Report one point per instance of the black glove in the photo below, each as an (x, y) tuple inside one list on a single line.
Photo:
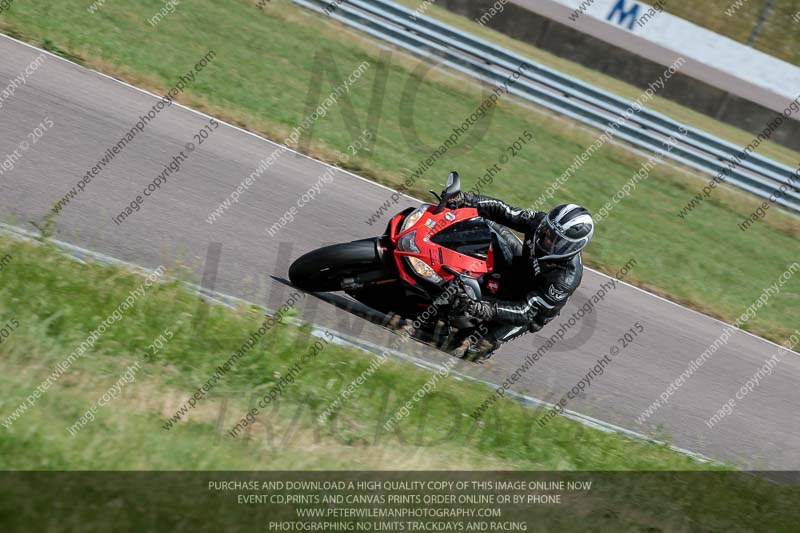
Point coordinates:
[(483, 310), (459, 200)]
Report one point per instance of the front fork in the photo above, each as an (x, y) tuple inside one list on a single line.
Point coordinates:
[(385, 274), (360, 281)]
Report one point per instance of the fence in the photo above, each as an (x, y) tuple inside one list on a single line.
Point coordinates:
[(645, 129)]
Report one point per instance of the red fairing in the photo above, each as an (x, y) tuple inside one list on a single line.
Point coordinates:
[(394, 226), (432, 254)]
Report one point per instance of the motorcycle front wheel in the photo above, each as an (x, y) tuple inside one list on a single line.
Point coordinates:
[(323, 269)]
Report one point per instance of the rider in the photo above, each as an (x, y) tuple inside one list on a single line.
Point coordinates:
[(537, 275)]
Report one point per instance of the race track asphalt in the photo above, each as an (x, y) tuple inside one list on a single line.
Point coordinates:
[(90, 113)]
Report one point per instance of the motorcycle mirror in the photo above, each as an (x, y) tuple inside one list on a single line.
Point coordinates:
[(453, 184), (451, 270)]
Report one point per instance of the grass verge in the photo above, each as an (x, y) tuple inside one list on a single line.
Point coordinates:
[(55, 301), (264, 71)]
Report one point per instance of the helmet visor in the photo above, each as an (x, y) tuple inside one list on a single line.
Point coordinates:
[(550, 243)]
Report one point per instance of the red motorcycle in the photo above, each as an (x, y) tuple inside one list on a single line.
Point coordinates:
[(415, 269)]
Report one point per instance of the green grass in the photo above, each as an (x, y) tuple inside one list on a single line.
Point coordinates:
[(778, 37), (260, 79), (56, 301)]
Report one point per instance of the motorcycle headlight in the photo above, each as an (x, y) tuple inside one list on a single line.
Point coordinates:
[(413, 218), (407, 243), (423, 269)]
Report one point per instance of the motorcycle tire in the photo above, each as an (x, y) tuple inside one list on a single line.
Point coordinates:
[(323, 270)]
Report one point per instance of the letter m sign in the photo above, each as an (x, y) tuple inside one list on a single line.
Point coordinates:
[(630, 14)]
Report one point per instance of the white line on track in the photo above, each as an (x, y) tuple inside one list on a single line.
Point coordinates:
[(356, 176), (79, 253), (225, 298)]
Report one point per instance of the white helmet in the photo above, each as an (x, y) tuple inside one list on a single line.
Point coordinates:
[(565, 231)]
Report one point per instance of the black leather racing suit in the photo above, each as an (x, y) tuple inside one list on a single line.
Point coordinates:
[(529, 293)]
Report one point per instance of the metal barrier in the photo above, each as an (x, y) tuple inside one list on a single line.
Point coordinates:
[(644, 128)]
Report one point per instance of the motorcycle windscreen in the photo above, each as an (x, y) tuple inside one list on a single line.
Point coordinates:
[(470, 237)]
